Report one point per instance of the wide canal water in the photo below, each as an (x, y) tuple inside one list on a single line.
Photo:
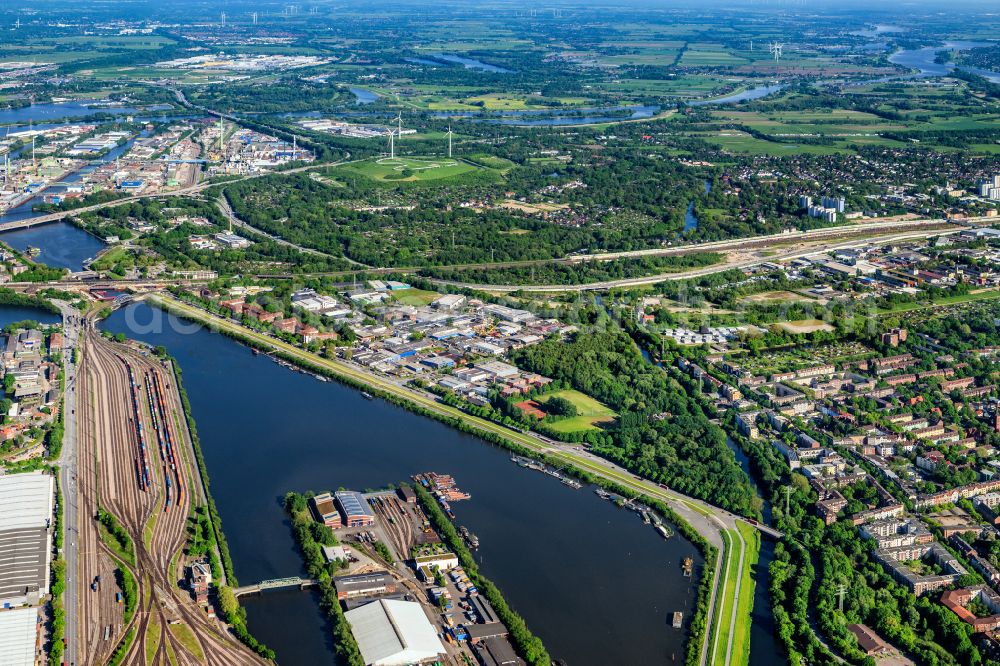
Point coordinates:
[(591, 580), (62, 245), (83, 108)]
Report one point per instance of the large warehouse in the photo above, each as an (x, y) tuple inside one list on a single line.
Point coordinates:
[(27, 501), (394, 633), (355, 509), (18, 636)]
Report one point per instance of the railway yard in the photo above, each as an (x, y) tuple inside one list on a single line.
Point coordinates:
[(137, 464)]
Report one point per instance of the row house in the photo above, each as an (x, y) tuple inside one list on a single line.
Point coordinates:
[(951, 385)]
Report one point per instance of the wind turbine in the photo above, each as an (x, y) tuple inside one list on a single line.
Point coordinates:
[(392, 145), (254, 16), (449, 140), (223, 19), (775, 49)]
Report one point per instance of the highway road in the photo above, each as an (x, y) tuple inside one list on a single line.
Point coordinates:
[(68, 482), (865, 236), (708, 520)]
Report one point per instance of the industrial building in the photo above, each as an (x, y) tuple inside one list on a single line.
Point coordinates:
[(27, 501), (326, 510), (496, 652), (364, 585), (394, 633), (18, 636), (354, 509)]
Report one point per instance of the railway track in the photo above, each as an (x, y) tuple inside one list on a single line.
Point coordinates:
[(140, 468)]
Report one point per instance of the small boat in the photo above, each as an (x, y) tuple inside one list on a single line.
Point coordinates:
[(678, 619), (688, 567), (469, 537), (367, 395)]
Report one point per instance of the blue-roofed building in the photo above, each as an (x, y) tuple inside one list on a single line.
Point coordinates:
[(131, 185), (354, 508)]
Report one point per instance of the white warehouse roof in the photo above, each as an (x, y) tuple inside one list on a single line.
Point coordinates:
[(17, 636), (393, 633), (26, 500)]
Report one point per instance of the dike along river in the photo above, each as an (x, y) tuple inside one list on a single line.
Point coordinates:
[(596, 584)]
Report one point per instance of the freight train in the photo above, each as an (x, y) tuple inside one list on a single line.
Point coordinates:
[(141, 454), (165, 435)]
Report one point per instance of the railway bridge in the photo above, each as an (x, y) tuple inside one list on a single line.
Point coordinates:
[(275, 584)]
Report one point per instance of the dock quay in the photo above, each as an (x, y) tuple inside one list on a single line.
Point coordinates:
[(528, 463)]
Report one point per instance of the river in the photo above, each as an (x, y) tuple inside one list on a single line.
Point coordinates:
[(62, 244), (690, 220), (557, 117), (924, 60), (764, 647), (591, 580), (364, 96), (52, 111), (742, 96), (13, 313), (472, 63)]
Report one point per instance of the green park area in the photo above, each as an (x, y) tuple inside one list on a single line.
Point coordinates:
[(410, 169), (414, 296), (589, 412)]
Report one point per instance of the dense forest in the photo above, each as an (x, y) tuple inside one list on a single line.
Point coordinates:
[(661, 433), (578, 273)]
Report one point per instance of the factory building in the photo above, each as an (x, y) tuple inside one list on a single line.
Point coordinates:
[(326, 510), (18, 636), (27, 501), (354, 509), (364, 585), (394, 633)]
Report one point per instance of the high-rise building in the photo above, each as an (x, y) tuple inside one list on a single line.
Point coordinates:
[(839, 204)]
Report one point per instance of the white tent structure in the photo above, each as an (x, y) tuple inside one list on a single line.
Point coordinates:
[(393, 633)]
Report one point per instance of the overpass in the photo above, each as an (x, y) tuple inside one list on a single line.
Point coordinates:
[(275, 584), (766, 530)]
